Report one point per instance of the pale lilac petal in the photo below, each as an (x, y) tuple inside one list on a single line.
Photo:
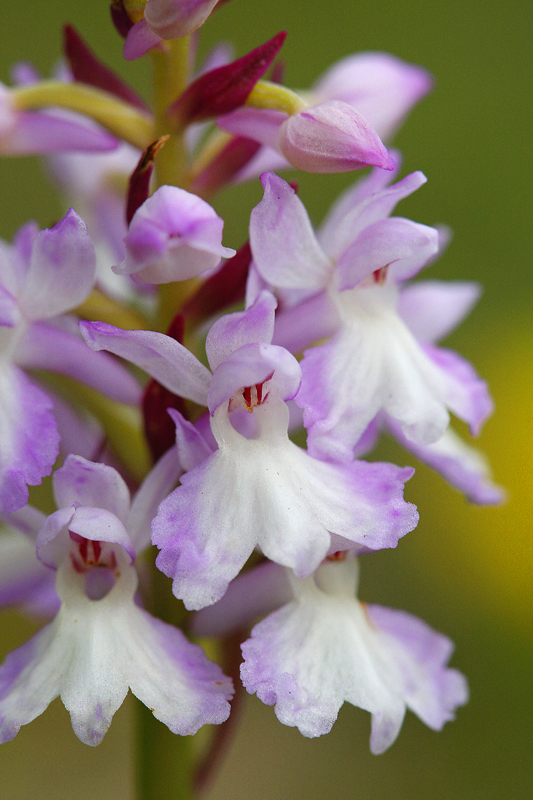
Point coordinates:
[(23, 579), (49, 347), (251, 595), (41, 132), (283, 244), (85, 483), (155, 487), (26, 520), (174, 235), (376, 202), (368, 439), (12, 270), (53, 539), (232, 331), (325, 648), (203, 426), (62, 269), (9, 310), (311, 656), (202, 550), (191, 446), (183, 688), (260, 124), (430, 688), (79, 432), (139, 40), (331, 137), (433, 309), (43, 603), (376, 180), (254, 285), (173, 19), (29, 442), (23, 242), (253, 364), (24, 73), (461, 465), (92, 523), (99, 525), (467, 395), (381, 87), (25, 690), (299, 326), (403, 246), (160, 356)]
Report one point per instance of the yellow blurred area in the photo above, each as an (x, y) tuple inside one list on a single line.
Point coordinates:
[(491, 548), (504, 548)]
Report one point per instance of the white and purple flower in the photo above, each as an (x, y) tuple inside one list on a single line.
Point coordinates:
[(257, 489), (346, 285), (325, 648), (101, 642)]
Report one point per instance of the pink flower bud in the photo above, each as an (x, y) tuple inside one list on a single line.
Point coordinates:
[(165, 19), (172, 19), (332, 137)]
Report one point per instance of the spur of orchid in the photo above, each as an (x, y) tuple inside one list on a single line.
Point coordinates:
[(201, 412)]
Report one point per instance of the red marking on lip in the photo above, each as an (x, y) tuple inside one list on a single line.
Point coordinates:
[(380, 275)]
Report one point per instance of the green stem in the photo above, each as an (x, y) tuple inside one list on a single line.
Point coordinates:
[(171, 75), (163, 760), (277, 97), (171, 69)]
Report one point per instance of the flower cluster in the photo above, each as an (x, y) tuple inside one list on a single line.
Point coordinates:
[(235, 353)]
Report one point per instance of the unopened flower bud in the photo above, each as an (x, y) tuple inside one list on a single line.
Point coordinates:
[(173, 236), (332, 137), (164, 19)]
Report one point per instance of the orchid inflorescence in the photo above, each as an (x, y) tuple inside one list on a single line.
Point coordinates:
[(234, 354)]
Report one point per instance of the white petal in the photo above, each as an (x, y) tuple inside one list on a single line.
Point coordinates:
[(94, 651)]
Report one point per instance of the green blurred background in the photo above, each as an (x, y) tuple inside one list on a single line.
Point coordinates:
[(466, 570)]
